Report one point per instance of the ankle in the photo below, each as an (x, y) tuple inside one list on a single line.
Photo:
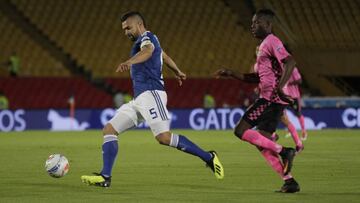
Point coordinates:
[(290, 180), (283, 151)]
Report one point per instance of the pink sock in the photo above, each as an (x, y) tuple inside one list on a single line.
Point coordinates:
[(294, 134), (302, 124), (255, 138), (275, 163)]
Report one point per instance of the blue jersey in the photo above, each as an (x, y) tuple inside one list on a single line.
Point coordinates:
[(147, 75)]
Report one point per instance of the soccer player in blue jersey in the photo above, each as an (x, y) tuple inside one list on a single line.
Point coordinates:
[(149, 102)]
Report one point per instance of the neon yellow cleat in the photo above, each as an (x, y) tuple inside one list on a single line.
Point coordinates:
[(96, 180), (216, 166)]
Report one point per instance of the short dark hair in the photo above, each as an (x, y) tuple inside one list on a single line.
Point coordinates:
[(131, 14), (268, 13)]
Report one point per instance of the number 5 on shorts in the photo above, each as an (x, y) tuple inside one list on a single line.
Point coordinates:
[(153, 113)]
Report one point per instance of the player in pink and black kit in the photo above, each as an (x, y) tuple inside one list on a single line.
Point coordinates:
[(265, 113), (293, 90), (293, 93)]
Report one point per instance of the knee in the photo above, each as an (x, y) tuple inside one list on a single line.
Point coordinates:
[(238, 132), (241, 127), (164, 138), (109, 130)]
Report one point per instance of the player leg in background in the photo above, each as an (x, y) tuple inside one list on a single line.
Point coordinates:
[(302, 124), (182, 143), (291, 128), (263, 110), (296, 107)]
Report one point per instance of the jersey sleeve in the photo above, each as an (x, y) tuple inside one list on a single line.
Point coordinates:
[(145, 40), (277, 49)]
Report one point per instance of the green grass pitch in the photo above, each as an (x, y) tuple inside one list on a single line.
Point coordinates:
[(328, 170)]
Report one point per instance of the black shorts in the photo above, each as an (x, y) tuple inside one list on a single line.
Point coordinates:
[(265, 115), (296, 107)]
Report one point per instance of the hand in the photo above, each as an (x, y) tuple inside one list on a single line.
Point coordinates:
[(284, 97), (180, 76), (223, 73), (124, 66)]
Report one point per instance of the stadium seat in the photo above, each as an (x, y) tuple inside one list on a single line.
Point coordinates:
[(35, 61), (91, 32)]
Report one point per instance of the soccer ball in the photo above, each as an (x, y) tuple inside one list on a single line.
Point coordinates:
[(57, 165)]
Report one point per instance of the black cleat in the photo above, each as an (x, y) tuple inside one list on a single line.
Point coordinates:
[(215, 165), (287, 155), (290, 186)]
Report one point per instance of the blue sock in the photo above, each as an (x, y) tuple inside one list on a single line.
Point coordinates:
[(110, 150), (182, 143)]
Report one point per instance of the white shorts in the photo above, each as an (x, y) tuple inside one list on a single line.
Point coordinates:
[(149, 106)]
